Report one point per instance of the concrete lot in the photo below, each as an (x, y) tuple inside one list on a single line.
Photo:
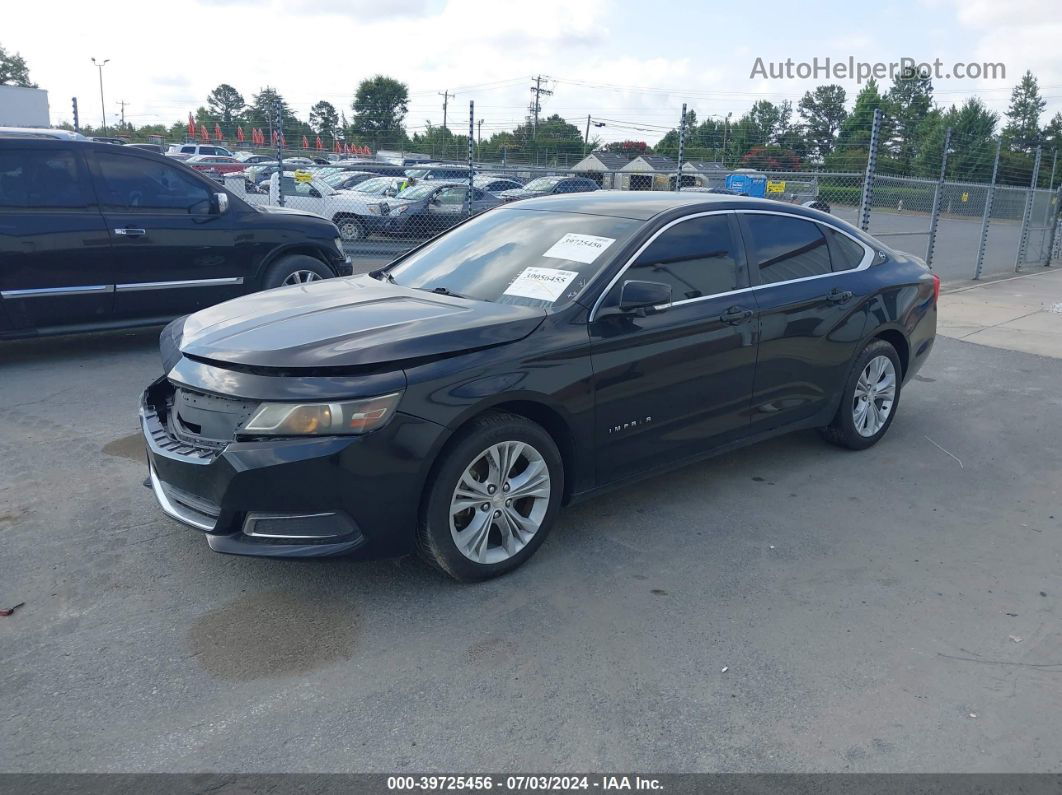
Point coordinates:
[(1021, 313), (891, 610)]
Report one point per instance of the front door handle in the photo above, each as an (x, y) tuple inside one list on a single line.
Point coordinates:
[(838, 296), (735, 315), (130, 232)]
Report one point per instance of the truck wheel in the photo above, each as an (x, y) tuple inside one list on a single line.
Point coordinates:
[(350, 228), (295, 269)]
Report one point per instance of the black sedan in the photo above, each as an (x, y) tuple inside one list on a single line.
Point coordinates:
[(549, 186), (453, 401)]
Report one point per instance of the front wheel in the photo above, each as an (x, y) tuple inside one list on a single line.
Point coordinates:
[(493, 498), (350, 228), (871, 396), (295, 269)]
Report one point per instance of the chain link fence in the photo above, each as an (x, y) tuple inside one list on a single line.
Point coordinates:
[(388, 201)]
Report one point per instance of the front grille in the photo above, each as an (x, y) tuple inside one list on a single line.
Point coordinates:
[(164, 441), (204, 420)]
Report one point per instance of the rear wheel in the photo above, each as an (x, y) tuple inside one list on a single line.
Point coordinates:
[(295, 269), (871, 396), (493, 498)]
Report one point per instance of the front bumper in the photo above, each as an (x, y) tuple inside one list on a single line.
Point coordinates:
[(312, 497)]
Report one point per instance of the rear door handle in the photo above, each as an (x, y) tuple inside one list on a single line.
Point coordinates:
[(130, 232), (838, 296), (735, 315)]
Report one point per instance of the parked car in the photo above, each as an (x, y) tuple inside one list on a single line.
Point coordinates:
[(250, 158), (41, 132), (134, 238), (156, 148), (546, 186), (198, 149), (430, 207), (215, 166), (374, 167), (349, 209), (451, 402), (496, 183), (344, 180), (433, 171)]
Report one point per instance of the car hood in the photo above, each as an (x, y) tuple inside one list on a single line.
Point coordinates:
[(349, 323)]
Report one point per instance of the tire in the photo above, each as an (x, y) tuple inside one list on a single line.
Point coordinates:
[(295, 269), (502, 545), (350, 228), (855, 425)]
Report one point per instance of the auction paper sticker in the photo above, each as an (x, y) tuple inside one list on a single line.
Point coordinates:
[(544, 284), (579, 248)]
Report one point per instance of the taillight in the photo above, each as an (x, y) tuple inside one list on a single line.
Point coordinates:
[(936, 288)]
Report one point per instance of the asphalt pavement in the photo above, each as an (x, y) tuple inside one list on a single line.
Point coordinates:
[(788, 607)]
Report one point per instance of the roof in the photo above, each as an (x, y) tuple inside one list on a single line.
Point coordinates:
[(639, 205), (703, 165), (613, 161), (655, 162)]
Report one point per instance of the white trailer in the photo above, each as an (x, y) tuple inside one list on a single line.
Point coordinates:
[(23, 107)]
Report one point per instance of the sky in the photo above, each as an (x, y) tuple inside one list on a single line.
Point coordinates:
[(628, 64)]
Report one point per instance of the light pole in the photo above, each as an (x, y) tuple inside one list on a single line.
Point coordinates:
[(103, 109)]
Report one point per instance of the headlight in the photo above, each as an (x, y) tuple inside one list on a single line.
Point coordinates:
[(339, 245), (402, 210), (321, 419)]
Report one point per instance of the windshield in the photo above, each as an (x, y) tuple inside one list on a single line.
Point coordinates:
[(543, 183), (417, 192), (374, 186), (417, 173), (513, 256)]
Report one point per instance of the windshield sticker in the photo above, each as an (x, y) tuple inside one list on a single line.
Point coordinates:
[(579, 248), (543, 284)]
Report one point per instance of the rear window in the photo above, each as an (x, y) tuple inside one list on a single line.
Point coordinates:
[(40, 178), (787, 248), (846, 254)]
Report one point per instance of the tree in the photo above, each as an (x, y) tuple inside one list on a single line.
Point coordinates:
[(910, 100), (262, 111), (1023, 116), (13, 70), (1052, 134), (771, 158), (823, 113), (631, 149), (763, 120), (380, 107), (324, 118), (554, 137), (973, 146), (225, 103)]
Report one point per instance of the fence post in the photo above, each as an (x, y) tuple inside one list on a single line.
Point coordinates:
[(938, 196), (279, 125), (1055, 219), (868, 177), (471, 130), (986, 219), (681, 148), (1027, 216)]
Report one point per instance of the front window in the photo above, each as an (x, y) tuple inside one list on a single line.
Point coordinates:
[(417, 192), (418, 173), (514, 256), (375, 187)]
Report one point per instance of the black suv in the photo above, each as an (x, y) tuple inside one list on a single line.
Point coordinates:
[(95, 236)]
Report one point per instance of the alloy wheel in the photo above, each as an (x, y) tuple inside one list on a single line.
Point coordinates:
[(301, 277), (875, 393), (499, 502)]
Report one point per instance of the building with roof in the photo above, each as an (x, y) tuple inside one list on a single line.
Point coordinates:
[(601, 167), (647, 172)]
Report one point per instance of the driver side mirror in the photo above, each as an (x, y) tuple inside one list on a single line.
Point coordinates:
[(644, 297), (220, 203)]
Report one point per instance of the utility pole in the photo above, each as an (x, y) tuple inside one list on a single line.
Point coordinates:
[(586, 137), (479, 132), (446, 101), (77, 127), (123, 103), (726, 127), (537, 92), (103, 109)]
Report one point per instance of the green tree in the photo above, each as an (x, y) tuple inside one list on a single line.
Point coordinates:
[(556, 141), (973, 146), (1052, 134), (763, 120), (261, 112), (324, 118), (13, 70), (823, 113), (910, 101), (226, 104), (1023, 116), (380, 105)]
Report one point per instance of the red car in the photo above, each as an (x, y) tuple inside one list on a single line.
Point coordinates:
[(215, 165)]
